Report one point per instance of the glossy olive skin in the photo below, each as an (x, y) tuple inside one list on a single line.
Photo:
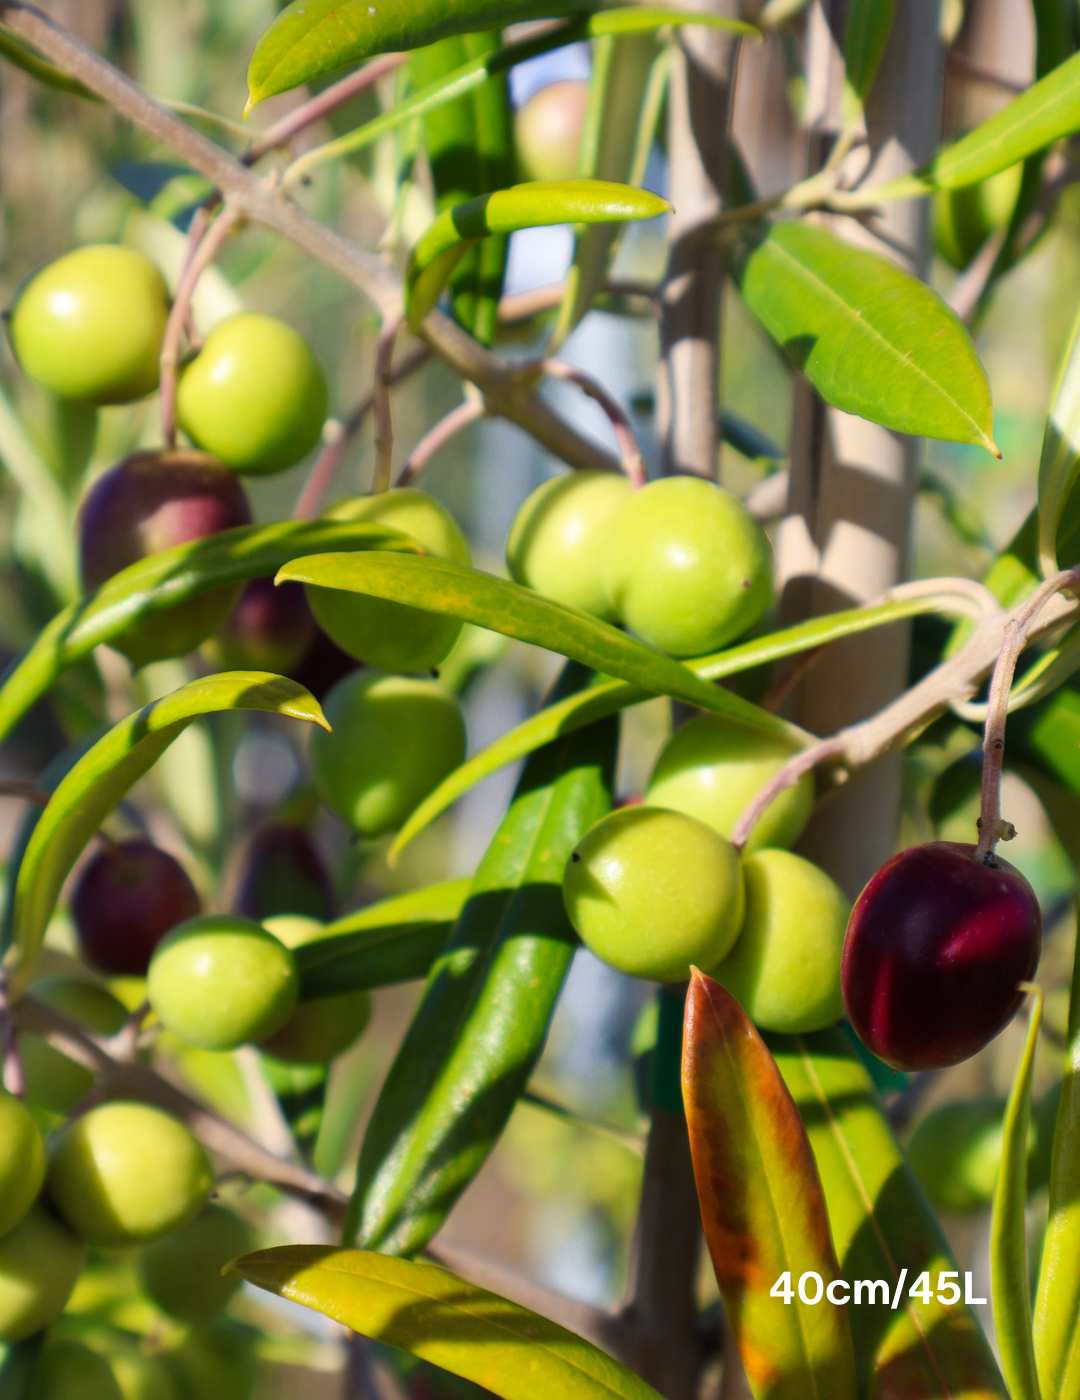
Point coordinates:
[(254, 396), (125, 1172), (126, 900), (712, 768), (935, 949), (547, 130), (784, 969), (89, 326), (40, 1260), (393, 739), (270, 629), (22, 1161), (687, 567), (318, 1030), (68, 1370), (393, 636), (148, 502), (219, 981), (654, 892), (52, 1080), (559, 535), (283, 873), (956, 1153), (182, 1270)]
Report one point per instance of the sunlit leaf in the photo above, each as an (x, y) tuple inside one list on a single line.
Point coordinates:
[(1008, 1235), (421, 1309), (537, 204), (762, 1205), (1059, 465), (872, 339), (439, 586), (104, 774)]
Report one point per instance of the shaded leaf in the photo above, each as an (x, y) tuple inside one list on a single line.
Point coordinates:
[(163, 580), (869, 23), (421, 1309), (607, 697), (762, 1204), (872, 339), (395, 940), (537, 204), (1008, 1235), (97, 782), (883, 1228), (451, 589)]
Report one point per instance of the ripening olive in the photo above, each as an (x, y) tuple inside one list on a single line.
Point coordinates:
[(547, 130), (393, 740), (687, 567), (126, 900), (126, 1172), (654, 892), (557, 541), (219, 981), (784, 969), (39, 1262), (254, 395), (90, 325), (393, 636)]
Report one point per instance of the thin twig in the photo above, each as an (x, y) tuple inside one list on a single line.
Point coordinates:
[(11, 1070), (384, 418), (436, 438), (966, 292), (24, 792), (629, 451), (803, 762), (202, 249)]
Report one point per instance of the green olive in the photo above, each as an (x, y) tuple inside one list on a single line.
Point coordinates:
[(70, 1371), (214, 1363), (254, 395), (654, 892), (712, 768), (956, 1153), (90, 325), (687, 567), (393, 740), (39, 1262), (182, 1270), (559, 535), (784, 969), (393, 636), (52, 1080), (317, 1030), (963, 219), (22, 1161), (126, 1172), (218, 981)]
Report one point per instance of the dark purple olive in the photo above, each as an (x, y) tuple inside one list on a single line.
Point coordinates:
[(270, 629), (936, 948), (148, 502), (126, 900), (283, 873)]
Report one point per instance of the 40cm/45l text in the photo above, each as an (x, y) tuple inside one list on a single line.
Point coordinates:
[(813, 1289)]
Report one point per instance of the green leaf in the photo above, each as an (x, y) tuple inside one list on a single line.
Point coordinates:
[(536, 204), (872, 339), (1046, 112), (395, 940), (480, 1027), (104, 774), (1050, 735), (24, 57), (869, 24), (608, 697), (1059, 465), (439, 586), (1057, 1301), (429, 1313), (1008, 1235), (164, 579), (882, 1224), (762, 1204)]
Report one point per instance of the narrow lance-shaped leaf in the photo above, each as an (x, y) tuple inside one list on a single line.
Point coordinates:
[(480, 1027), (439, 586), (762, 1206), (1008, 1234), (104, 774), (163, 580), (872, 339), (534, 205), (869, 23), (1059, 464), (15, 51), (1057, 1300), (423, 1310), (886, 1236), (607, 697), (395, 940)]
